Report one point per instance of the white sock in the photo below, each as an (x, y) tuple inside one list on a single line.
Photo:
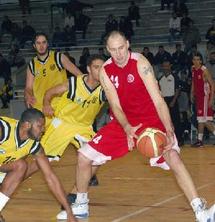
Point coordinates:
[(3, 200), (200, 136), (82, 197), (197, 204)]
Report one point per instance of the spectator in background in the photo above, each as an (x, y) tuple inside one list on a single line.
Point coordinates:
[(102, 53), (111, 24), (5, 70), (185, 20), (6, 25), (59, 37), (74, 6), (70, 36), (133, 13), (180, 8), (179, 59), (69, 20), (165, 2), (169, 86), (6, 93), (210, 65), (126, 27), (28, 33), (210, 36), (184, 102), (149, 55), (81, 23), (16, 33), (83, 60), (191, 37), (162, 55), (174, 27), (25, 6), (15, 57)]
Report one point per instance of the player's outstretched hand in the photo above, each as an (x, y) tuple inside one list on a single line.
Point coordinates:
[(71, 218), (131, 135)]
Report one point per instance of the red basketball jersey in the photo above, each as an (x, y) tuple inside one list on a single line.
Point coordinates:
[(133, 95), (201, 87)]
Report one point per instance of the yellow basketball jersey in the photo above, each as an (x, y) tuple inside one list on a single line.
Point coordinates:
[(11, 147), (47, 74), (80, 104)]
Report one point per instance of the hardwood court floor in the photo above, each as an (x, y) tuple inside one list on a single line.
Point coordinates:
[(129, 190)]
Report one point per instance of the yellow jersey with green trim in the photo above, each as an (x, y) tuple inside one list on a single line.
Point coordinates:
[(47, 74), (11, 147), (80, 104)]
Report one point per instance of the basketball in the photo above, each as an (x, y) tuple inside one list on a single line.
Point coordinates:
[(151, 142)]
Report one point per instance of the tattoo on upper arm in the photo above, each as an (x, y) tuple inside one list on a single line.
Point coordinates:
[(147, 70)]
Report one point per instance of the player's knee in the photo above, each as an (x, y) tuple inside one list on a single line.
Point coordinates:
[(21, 168), (83, 161), (172, 157)]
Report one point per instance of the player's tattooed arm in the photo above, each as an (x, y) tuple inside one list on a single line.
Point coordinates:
[(103, 80)]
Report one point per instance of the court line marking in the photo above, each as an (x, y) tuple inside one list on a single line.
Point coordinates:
[(157, 204)]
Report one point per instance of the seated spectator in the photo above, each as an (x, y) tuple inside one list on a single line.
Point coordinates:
[(191, 37), (174, 27), (180, 8), (81, 22), (6, 25), (126, 27), (6, 93), (165, 2), (133, 13), (5, 70), (185, 20), (15, 57), (162, 55), (210, 36), (102, 53), (83, 59), (149, 55), (28, 33), (179, 59), (25, 6)]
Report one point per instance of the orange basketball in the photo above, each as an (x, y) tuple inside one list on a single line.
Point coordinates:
[(151, 142)]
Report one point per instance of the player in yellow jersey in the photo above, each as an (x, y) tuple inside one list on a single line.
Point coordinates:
[(45, 70), (81, 100), (17, 140)]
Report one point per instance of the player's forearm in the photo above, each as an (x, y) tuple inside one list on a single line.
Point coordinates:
[(164, 115), (57, 189), (120, 116)]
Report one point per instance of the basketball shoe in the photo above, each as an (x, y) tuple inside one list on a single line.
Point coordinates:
[(80, 211), (203, 214)]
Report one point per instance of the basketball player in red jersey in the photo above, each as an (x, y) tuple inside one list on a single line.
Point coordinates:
[(136, 103), (202, 92)]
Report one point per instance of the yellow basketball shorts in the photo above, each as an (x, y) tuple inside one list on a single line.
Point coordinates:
[(60, 134)]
